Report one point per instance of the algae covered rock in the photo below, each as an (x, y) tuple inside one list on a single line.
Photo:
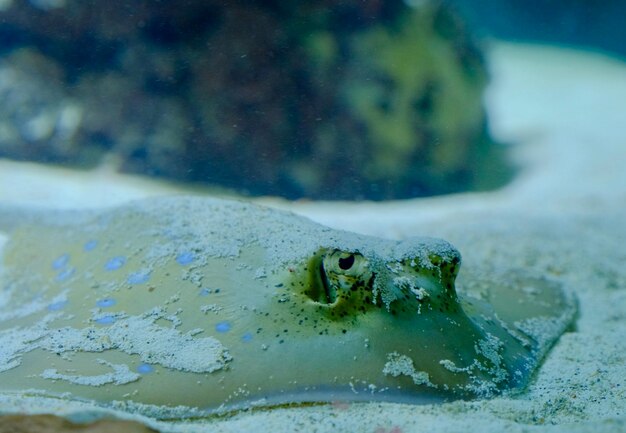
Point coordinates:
[(36, 116), (318, 99), (56, 424), (411, 118)]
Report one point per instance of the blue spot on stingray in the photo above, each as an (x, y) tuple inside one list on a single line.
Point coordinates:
[(185, 258), (222, 327), (56, 306), (106, 302), (115, 263), (90, 245), (138, 277), (246, 337), (105, 320), (60, 261), (205, 292), (65, 274), (145, 368)]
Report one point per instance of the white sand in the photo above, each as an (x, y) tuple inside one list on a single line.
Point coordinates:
[(564, 217)]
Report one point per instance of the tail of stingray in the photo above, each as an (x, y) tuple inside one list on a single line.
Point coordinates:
[(535, 310), (15, 216), (11, 217)]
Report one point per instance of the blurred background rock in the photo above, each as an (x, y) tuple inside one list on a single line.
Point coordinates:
[(358, 99)]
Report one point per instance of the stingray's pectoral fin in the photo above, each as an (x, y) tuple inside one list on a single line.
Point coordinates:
[(537, 309), (525, 313)]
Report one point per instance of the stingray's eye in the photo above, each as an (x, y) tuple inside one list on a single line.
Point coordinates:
[(346, 263), (342, 274)]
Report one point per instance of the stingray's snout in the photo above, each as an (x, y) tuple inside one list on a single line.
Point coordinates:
[(416, 282)]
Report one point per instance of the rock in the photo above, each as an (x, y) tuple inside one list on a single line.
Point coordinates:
[(356, 100), (51, 423)]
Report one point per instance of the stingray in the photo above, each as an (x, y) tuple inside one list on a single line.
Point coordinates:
[(184, 307)]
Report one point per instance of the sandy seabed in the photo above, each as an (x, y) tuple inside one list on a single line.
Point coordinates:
[(564, 216)]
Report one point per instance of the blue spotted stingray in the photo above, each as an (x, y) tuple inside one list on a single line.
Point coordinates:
[(188, 306)]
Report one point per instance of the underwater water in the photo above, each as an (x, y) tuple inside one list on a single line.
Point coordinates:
[(470, 194)]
